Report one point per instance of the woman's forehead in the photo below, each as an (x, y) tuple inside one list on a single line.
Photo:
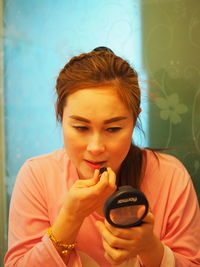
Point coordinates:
[(90, 101)]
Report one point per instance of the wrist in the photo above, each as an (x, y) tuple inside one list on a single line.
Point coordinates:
[(153, 255), (66, 226), (71, 215), (73, 209), (64, 248)]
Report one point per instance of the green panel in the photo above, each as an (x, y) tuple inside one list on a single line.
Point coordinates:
[(171, 50)]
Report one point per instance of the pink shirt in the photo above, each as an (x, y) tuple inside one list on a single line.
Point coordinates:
[(42, 185)]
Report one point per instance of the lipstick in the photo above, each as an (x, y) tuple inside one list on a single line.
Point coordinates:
[(94, 165), (103, 169)]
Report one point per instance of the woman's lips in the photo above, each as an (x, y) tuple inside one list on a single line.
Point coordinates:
[(95, 165)]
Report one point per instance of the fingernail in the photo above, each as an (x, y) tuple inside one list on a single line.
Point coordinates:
[(97, 224), (96, 171)]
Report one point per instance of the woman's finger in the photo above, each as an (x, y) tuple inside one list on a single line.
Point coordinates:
[(116, 255), (112, 177), (109, 259), (104, 186), (149, 218), (112, 240), (119, 232)]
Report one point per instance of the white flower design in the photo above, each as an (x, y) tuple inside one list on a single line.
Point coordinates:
[(170, 108)]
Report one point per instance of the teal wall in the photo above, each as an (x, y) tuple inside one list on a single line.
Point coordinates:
[(40, 36)]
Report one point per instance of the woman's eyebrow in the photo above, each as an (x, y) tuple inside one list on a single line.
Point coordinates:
[(114, 119), (78, 118)]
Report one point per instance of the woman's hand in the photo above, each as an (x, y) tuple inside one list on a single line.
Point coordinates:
[(87, 196), (123, 244), (84, 197)]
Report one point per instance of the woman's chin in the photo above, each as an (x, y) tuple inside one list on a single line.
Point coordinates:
[(86, 173)]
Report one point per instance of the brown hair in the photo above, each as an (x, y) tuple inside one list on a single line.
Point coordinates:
[(103, 67)]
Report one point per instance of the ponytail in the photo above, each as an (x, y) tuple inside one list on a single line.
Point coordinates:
[(131, 169)]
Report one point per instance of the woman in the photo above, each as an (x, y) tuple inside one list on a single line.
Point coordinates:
[(56, 216)]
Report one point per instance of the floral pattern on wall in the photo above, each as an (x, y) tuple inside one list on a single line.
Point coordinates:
[(171, 108)]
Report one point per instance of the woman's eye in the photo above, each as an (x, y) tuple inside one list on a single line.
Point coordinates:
[(81, 128), (113, 129)]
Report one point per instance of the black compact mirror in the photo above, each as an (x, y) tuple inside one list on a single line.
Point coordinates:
[(126, 207)]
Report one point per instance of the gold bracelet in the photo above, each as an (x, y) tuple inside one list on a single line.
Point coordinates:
[(65, 247)]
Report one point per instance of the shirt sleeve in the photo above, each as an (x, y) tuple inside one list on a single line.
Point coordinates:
[(167, 260), (182, 230), (28, 243)]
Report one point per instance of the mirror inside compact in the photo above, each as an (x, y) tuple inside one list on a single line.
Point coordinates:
[(126, 207), (126, 215)]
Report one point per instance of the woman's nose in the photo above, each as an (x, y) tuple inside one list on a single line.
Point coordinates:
[(95, 145)]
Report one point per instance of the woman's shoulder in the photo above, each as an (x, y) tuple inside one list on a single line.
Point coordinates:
[(164, 176), (46, 163), (43, 170), (162, 160), (56, 156), (53, 155), (164, 168)]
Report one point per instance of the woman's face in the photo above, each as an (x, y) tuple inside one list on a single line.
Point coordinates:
[(97, 129)]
